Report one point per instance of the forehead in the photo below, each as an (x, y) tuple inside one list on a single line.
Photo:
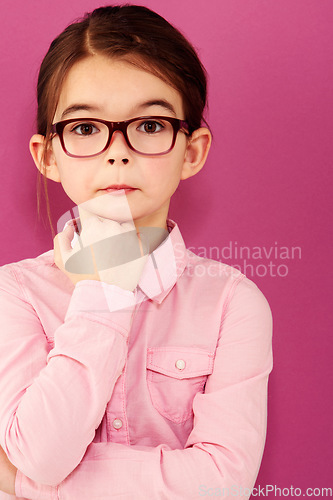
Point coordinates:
[(117, 88)]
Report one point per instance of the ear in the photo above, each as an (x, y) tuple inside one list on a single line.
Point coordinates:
[(45, 161), (196, 152)]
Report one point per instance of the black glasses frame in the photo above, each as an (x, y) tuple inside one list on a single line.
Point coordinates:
[(177, 125)]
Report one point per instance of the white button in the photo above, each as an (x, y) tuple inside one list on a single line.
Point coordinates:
[(117, 423), (180, 364)]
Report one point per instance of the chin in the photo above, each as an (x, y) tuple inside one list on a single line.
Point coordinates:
[(107, 206)]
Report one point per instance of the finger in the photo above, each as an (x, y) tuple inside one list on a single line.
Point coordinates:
[(128, 226), (95, 229), (117, 250), (113, 226)]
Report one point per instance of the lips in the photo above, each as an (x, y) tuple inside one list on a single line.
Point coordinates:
[(119, 186), (119, 189)]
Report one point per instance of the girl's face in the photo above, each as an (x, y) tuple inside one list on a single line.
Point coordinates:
[(115, 90)]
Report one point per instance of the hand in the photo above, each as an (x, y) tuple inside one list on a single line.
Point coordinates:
[(106, 250), (7, 474)]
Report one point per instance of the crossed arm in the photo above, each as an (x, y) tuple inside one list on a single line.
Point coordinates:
[(224, 448)]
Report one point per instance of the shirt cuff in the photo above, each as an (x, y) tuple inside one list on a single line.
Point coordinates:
[(27, 488), (101, 300)]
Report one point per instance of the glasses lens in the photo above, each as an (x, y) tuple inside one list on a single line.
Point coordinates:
[(150, 135), (85, 138)]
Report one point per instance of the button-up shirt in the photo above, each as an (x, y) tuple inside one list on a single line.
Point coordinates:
[(158, 393)]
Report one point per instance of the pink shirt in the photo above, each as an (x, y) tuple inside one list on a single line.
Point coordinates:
[(158, 393)]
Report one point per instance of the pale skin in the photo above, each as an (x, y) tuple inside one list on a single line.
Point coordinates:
[(114, 89)]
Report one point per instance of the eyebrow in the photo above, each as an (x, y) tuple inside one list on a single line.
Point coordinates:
[(157, 102), (79, 107), (88, 107)]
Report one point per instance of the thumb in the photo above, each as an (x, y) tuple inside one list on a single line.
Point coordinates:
[(62, 245)]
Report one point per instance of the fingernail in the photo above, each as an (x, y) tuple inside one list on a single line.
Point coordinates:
[(69, 223)]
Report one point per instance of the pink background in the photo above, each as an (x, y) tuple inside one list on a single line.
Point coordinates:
[(266, 183)]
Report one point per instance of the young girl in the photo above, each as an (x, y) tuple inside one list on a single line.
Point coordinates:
[(129, 367)]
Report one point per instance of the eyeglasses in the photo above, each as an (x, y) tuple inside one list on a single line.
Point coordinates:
[(147, 135)]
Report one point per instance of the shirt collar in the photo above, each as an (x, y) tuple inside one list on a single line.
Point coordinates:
[(164, 266)]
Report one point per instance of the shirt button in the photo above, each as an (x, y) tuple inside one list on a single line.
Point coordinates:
[(117, 423), (180, 364)]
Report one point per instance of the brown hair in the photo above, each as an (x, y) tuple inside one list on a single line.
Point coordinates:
[(129, 31)]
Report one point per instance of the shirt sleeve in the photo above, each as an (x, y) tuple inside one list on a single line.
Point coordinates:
[(51, 402), (224, 449)]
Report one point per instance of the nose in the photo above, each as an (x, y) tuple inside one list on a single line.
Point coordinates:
[(118, 151)]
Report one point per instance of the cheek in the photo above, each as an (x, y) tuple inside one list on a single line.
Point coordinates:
[(75, 181), (163, 171)]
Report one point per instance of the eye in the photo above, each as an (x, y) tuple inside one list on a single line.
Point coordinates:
[(84, 129), (150, 127)]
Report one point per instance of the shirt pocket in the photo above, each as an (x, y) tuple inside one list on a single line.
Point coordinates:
[(174, 376)]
